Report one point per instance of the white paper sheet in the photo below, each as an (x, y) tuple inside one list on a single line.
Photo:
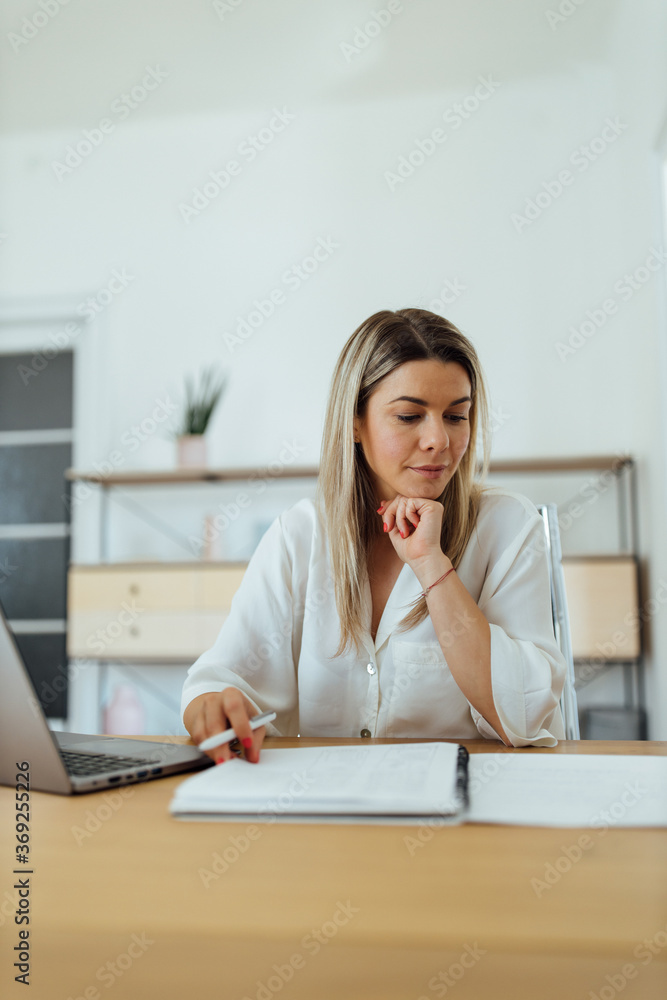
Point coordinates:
[(600, 791), (344, 784)]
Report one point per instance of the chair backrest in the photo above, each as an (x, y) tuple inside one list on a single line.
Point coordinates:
[(568, 701)]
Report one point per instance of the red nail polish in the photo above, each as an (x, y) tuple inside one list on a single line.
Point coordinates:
[(220, 760), (247, 742), (402, 535), (386, 527), (379, 510)]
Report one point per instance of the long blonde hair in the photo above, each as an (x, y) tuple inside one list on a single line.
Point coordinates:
[(345, 495)]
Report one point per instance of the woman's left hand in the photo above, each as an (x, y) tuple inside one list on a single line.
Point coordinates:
[(420, 522)]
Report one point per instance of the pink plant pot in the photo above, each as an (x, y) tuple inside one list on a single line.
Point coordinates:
[(191, 451)]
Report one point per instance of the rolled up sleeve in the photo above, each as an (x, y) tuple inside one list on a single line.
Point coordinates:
[(527, 667), (254, 649)]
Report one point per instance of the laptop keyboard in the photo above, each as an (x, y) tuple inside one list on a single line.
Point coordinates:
[(94, 763)]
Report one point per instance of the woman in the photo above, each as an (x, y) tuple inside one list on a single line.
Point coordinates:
[(407, 600)]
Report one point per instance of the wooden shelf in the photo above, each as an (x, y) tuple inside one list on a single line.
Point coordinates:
[(149, 564), (141, 477), (149, 477), (582, 464)]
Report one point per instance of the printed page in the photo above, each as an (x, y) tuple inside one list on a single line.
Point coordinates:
[(385, 779), (581, 790)]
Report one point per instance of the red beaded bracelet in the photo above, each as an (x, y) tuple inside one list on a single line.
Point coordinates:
[(424, 593)]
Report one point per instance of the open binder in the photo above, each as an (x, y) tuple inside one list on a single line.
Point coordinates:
[(433, 783), (388, 783)]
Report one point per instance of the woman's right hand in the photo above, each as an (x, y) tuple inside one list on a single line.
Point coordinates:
[(215, 711)]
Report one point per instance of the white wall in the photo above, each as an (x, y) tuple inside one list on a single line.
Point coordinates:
[(323, 177)]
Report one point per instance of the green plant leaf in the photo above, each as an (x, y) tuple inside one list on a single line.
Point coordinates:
[(200, 404)]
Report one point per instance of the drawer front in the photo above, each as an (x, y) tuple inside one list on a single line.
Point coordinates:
[(602, 602), (166, 636), (169, 613), (108, 588)]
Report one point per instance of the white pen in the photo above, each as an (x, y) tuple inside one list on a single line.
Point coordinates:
[(229, 734)]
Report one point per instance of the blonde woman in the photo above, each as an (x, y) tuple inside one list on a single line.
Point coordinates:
[(407, 600)]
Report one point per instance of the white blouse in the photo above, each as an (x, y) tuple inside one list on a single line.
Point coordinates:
[(277, 644)]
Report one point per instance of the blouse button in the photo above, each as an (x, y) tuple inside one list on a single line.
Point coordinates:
[(370, 668), (365, 732)]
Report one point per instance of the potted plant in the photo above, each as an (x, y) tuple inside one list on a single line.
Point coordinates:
[(199, 406)]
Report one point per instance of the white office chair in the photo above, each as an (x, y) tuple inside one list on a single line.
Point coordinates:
[(568, 701)]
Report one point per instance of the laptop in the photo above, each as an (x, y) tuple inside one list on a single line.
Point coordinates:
[(69, 763)]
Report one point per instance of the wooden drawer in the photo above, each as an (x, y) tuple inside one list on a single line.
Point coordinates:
[(602, 602), (164, 636), (94, 587), (215, 586), (167, 613)]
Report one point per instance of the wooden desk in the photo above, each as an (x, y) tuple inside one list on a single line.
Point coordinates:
[(393, 922)]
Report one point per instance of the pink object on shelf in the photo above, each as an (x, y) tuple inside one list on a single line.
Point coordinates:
[(124, 714), (191, 451)]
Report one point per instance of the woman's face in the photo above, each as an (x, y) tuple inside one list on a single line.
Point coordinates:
[(430, 427)]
